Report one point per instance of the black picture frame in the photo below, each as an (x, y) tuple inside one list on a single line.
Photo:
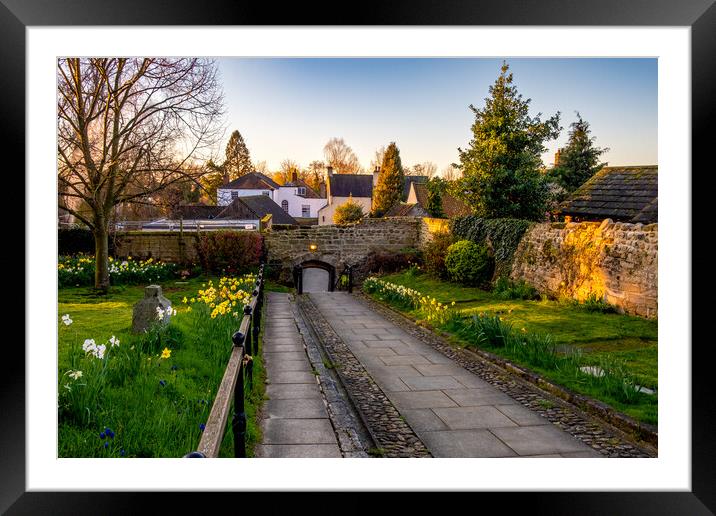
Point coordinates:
[(700, 15)]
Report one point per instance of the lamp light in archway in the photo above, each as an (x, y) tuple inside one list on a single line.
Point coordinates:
[(313, 248)]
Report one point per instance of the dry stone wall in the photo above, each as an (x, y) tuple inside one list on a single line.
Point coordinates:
[(339, 246), (616, 262)]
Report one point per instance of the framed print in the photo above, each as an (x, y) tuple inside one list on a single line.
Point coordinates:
[(669, 47)]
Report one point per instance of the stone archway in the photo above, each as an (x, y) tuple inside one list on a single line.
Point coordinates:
[(314, 276)]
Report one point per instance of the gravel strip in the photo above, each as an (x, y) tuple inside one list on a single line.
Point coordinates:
[(391, 434), (601, 436)]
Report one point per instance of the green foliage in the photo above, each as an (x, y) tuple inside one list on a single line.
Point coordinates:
[(436, 187), (505, 288), (348, 212), (434, 253), (469, 263), (79, 240), (389, 189), (594, 303), (229, 252), (154, 406), (501, 167), (501, 235), (579, 160)]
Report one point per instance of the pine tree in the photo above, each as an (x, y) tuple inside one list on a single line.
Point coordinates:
[(238, 159), (391, 179), (579, 160), (501, 168)]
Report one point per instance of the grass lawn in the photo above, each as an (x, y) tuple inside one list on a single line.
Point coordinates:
[(153, 405), (597, 335)]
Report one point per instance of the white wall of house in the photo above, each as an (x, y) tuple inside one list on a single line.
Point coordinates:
[(225, 196), (325, 215), (297, 203)]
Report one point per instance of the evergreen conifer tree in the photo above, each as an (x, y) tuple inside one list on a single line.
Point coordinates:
[(501, 167), (579, 160), (389, 189)]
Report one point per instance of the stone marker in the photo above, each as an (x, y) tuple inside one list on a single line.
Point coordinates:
[(145, 311)]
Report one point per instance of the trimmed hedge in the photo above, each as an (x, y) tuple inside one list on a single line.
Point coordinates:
[(502, 236), (229, 252)]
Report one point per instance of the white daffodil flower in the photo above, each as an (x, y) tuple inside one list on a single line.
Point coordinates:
[(66, 319), (89, 345), (114, 341)]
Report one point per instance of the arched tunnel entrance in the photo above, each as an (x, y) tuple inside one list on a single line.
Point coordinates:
[(314, 276)]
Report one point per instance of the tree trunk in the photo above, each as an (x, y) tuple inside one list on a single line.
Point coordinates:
[(101, 256)]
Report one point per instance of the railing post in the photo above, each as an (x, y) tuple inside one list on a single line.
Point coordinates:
[(238, 422), (350, 279)]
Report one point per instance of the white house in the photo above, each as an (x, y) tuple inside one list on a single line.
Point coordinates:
[(247, 185), (295, 197)]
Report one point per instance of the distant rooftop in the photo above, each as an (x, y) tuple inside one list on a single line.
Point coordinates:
[(251, 181)]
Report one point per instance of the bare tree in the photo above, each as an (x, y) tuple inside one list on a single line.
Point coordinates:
[(451, 173), (427, 168), (313, 174), (341, 157), (288, 167), (377, 160), (126, 129), (262, 167)]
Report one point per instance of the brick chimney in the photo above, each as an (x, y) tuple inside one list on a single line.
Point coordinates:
[(329, 171), (376, 173), (322, 189), (294, 176), (557, 156)]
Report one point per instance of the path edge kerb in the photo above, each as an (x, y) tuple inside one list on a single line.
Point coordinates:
[(640, 431)]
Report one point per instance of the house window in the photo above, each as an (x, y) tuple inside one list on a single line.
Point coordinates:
[(301, 190), (268, 194), (234, 194), (305, 210), (284, 205)]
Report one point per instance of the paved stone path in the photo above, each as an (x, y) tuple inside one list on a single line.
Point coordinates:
[(455, 413), (295, 421)]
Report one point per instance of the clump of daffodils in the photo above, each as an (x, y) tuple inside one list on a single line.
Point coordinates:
[(228, 297), (432, 309)]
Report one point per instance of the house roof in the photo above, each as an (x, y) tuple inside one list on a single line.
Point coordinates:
[(409, 180), (310, 192), (628, 194), (451, 205), (251, 181), (345, 185), (256, 206), (407, 210), (198, 211)]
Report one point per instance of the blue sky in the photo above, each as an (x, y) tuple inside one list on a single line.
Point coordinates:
[(289, 108)]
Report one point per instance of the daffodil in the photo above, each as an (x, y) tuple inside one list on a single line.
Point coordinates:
[(166, 353)]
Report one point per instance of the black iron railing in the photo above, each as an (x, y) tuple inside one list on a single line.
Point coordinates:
[(238, 378)]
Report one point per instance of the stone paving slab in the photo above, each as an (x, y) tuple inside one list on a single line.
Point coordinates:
[(299, 408), (466, 443), (298, 431), (277, 365), (454, 412), (287, 391)]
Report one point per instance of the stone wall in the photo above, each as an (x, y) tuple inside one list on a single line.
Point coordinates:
[(339, 246), (429, 227), (617, 262), (167, 246)]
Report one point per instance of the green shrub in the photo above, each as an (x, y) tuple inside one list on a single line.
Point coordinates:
[(348, 212), (505, 288), (469, 263), (595, 303), (229, 252), (434, 254), (501, 235)]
